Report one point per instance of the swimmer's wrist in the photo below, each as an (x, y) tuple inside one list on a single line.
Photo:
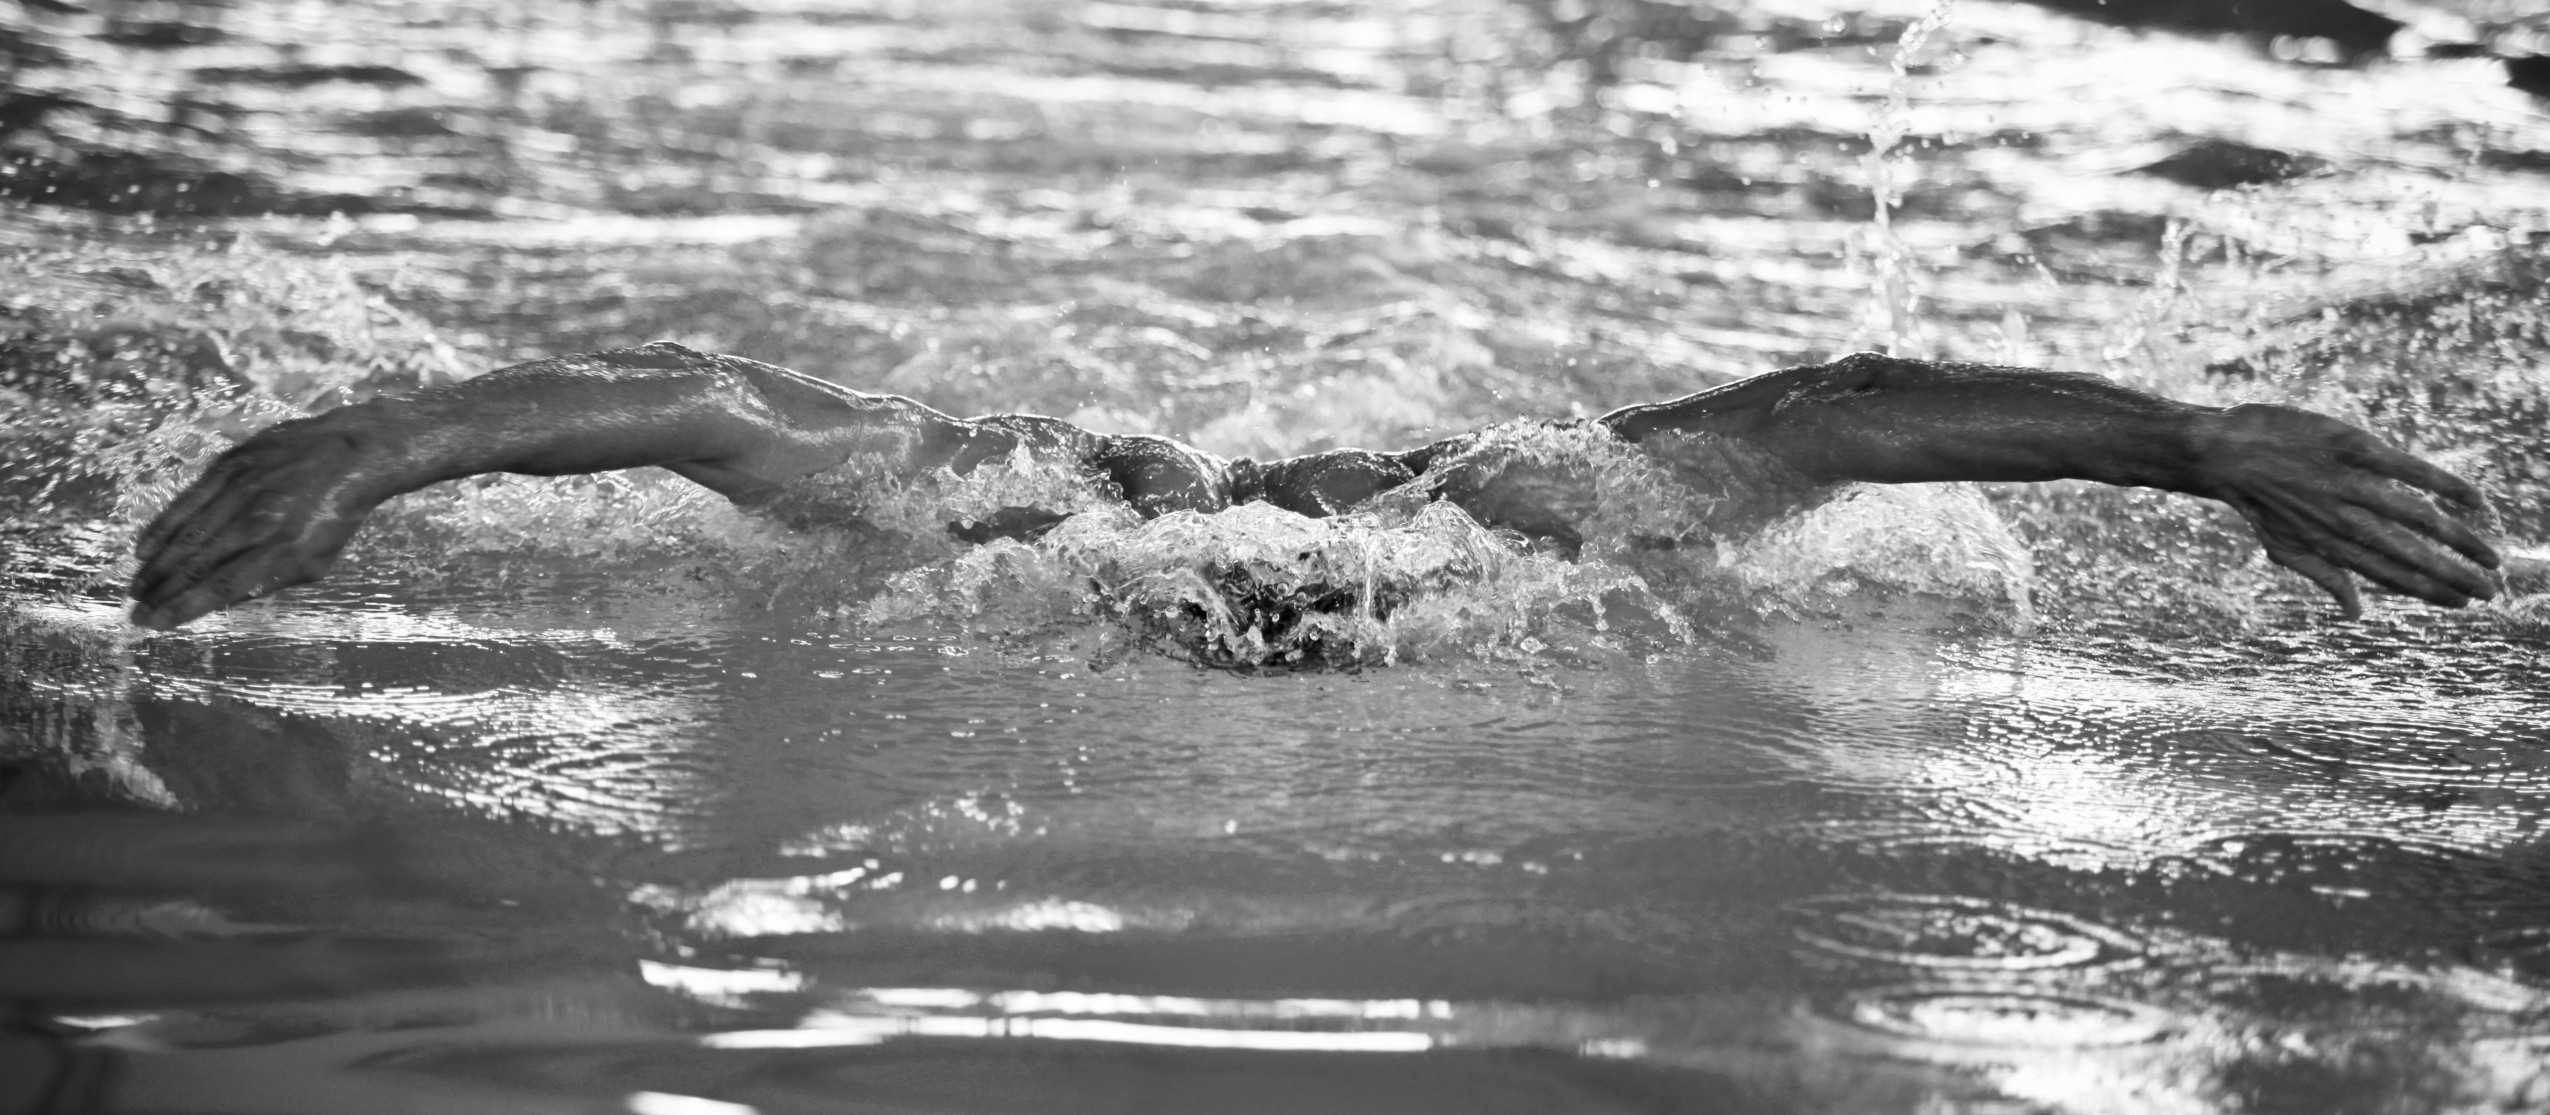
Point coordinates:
[(397, 444), (2167, 447), (2219, 441)]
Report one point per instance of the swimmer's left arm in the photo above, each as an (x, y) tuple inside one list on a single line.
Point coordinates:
[(2326, 498), (277, 509)]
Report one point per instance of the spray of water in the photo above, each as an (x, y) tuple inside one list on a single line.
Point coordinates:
[(1402, 576), (1893, 273), (1409, 576)]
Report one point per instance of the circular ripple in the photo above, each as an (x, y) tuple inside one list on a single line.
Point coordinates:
[(1948, 933), (2004, 1019)]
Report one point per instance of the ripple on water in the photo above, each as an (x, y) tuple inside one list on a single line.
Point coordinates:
[(2523, 952), (1947, 933), (2419, 754), (2001, 1019), (2369, 863)]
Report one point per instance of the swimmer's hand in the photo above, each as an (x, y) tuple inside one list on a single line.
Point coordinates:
[(273, 512), (2330, 500)]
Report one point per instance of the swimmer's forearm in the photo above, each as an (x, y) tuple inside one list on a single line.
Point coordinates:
[(1877, 419), (537, 425)]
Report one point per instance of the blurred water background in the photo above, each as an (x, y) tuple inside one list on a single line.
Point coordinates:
[(590, 795)]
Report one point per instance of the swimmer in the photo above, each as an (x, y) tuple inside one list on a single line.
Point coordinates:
[(2330, 501)]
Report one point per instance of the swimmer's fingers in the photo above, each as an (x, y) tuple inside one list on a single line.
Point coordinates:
[(273, 541), (2410, 528), (2389, 501), (2407, 539), (2408, 561), (271, 513), (2391, 557), (2375, 455), (186, 506), (245, 576), (198, 533), (2331, 545), (2331, 579)]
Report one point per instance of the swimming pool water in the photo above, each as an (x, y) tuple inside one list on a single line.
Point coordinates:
[(593, 795)]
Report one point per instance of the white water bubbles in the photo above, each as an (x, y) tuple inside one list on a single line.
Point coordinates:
[(1403, 575), (1256, 585), (1938, 540), (1470, 560)]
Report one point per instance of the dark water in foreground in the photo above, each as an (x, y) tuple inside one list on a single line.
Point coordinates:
[(592, 796)]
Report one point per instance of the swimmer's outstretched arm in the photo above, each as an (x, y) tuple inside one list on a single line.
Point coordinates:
[(278, 508), (2328, 499)]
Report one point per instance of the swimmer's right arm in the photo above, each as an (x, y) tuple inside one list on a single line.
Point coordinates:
[(2327, 499), (277, 509)]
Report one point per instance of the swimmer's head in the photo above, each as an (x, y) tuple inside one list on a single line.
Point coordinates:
[(1257, 617)]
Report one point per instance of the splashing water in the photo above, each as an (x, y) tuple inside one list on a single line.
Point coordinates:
[(2180, 848), (1407, 575), (1260, 586), (1402, 575), (1894, 274), (1946, 541), (925, 507)]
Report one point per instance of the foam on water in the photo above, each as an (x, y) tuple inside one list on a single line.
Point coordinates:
[(872, 490), (1257, 585), (1409, 575), (1942, 540)]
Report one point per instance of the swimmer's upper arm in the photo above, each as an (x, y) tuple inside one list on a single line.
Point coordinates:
[(738, 426), (758, 426)]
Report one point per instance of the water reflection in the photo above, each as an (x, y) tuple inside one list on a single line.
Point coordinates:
[(2031, 863), (1701, 865), (167, 962)]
